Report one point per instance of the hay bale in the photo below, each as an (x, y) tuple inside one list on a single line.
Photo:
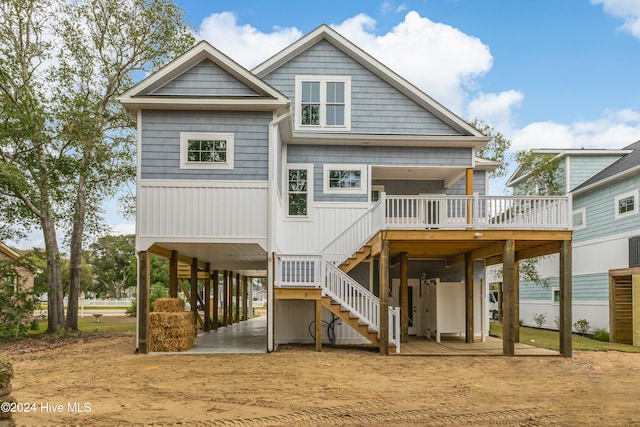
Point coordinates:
[(168, 305), (171, 331)]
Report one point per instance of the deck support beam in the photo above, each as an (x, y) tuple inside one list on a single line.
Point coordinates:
[(173, 275), (384, 299), (468, 298), (565, 299), (194, 291), (245, 300), (508, 273), (143, 302), (216, 298), (404, 298), (230, 298), (516, 301)]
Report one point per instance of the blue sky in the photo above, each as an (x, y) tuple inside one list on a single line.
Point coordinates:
[(545, 73)]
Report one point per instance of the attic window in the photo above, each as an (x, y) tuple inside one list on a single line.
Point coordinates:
[(323, 103), (206, 150)]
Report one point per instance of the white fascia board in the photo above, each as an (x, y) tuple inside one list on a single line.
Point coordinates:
[(195, 55), (174, 103), (613, 178), (303, 138), (373, 65)]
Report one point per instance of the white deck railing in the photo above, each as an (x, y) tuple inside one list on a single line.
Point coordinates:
[(452, 212), (309, 271)]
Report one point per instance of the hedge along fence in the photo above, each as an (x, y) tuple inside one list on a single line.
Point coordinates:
[(6, 374), (170, 327)]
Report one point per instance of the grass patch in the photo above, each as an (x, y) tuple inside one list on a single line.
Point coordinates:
[(544, 338), (88, 324)]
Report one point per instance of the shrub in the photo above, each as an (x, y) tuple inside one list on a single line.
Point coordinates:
[(601, 335), (132, 310), (16, 308), (539, 319), (581, 325)]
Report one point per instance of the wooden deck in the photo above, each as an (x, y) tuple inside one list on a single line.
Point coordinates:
[(452, 345)]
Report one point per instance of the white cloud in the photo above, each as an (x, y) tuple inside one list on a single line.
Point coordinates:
[(628, 10), (495, 109), (123, 228), (244, 43), (613, 130), (426, 53)]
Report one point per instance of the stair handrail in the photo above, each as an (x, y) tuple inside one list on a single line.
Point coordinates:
[(352, 296)]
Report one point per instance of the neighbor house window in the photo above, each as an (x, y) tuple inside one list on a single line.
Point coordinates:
[(206, 150), (323, 102), (299, 189), (376, 191), (555, 295), (579, 218), (345, 179), (626, 204)]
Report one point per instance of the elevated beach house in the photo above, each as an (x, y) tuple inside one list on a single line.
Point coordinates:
[(358, 197)]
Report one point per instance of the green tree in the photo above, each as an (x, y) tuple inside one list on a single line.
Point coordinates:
[(66, 143), (541, 170), (111, 258), (16, 303), (496, 149)]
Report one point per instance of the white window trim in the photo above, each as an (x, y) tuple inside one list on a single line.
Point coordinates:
[(323, 103), (310, 179), (553, 292), (186, 136), (345, 167), (583, 212), (633, 194)]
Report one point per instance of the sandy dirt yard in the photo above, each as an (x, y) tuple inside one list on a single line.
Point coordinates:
[(99, 381)]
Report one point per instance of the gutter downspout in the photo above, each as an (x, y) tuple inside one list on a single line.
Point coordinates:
[(272, 215)]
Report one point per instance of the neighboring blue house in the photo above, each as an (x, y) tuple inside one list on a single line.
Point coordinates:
[(604, 185), (358, 196)]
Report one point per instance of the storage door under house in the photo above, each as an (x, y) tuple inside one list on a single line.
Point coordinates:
[(624, 309)]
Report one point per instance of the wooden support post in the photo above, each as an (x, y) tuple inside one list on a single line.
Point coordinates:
[(207, 299), (194, 290), (225, 297), (468, 298), (237, 316), (516, 302), (173, 275), (230, 299), (508, 272), (143, 302), (565, 299), (216, 298), (318, 325), (245, 302), (384, 299), (469, 192), (404, 299)]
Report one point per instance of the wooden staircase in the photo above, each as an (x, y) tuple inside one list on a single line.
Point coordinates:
[(352, 320), (355, 259)]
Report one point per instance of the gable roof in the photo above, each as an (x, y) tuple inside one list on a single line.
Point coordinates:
[(9, 252), (328, 34), (626, 166), (560, 153), (139, 96)]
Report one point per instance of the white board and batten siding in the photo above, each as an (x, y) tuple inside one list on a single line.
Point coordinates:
[(202, 211)]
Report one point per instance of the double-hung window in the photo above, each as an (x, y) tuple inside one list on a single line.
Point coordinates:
[(299, 190), (323, 103), (206, 150)]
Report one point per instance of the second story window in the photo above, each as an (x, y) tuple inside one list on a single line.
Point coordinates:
[(206, 150), (345, 179), (299, 190), (323, 103), (626, 204)]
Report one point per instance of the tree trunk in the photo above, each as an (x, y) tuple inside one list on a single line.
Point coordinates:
[(55, 304), (75, 256)]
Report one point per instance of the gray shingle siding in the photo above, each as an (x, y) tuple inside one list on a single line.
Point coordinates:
[(376, 107), (318, 155), (161, 143), (205, 79)]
